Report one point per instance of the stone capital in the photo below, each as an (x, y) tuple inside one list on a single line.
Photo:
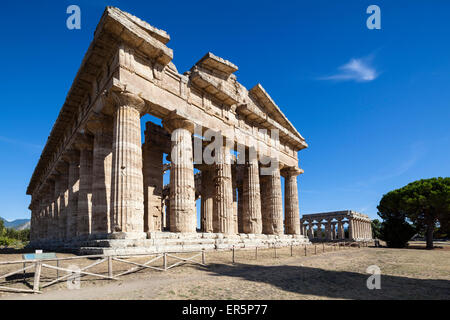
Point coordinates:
[(176, 121), (126, 99), (84, 142), (100, 124), (72, 156), (54, 176), (291, 171), (62, 167)]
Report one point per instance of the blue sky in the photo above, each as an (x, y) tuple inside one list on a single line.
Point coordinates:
[(374, 105)]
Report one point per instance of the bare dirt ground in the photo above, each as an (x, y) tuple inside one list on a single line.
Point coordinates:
[(334, 274)]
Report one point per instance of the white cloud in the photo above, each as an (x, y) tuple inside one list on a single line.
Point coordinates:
[(358, 70)]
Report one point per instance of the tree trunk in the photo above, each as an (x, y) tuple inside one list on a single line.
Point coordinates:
[(429, 235)]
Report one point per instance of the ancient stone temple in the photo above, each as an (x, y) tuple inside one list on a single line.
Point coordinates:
[(331, 226), (99, 188)]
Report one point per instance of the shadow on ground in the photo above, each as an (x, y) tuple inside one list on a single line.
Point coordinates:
[(334, 284)]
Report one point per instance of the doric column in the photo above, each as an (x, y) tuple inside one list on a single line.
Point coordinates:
[(63, 168), (341, 232), (319, 230), (363, 229), (333, 231), (183, 216), (235, 199), (272, 203), (167, 213), (127, 189), (101, 126), (240, 194), (55, 206), (252, 217), (34, 207), (207, 205), (223, 198), (153, 181), (291, 204), (311, 229), (328, 230), (73, 158), (370, 230), (41, 217), (351, 235), (359, 232), (84, 144), (51, 208), (45, 208), (367, 230)]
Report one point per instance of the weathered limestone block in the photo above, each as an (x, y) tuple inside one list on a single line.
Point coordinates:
[(223, 198), (207, 205), (127, 178), (102, 128), (85, 145), (182, 185), (272, 203), (73, 158), (292, 215), (252, 217)]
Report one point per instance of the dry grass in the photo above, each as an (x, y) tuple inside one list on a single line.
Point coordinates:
[(335, 274)]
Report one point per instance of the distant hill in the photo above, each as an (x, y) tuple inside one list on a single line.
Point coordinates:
[(19, 224)]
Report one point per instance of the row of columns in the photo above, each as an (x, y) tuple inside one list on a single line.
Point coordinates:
[(357, 229), (109, 183)]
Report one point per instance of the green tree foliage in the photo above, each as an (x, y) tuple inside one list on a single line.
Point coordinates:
[(2, 227), (396, 232), (9, 236), (376, 229), (424, 203)]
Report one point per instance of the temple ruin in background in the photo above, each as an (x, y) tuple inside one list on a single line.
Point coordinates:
[(358, 226)]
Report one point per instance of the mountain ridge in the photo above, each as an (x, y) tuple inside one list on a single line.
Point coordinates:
[(18, 224)]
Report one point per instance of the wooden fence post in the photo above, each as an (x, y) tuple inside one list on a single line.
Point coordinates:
[(232, 255), (203, 257), (256, 253), (37, 276), (291, 250), (275, 250), (305, 250), (110, 267), (315, 249), (165, 261)]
